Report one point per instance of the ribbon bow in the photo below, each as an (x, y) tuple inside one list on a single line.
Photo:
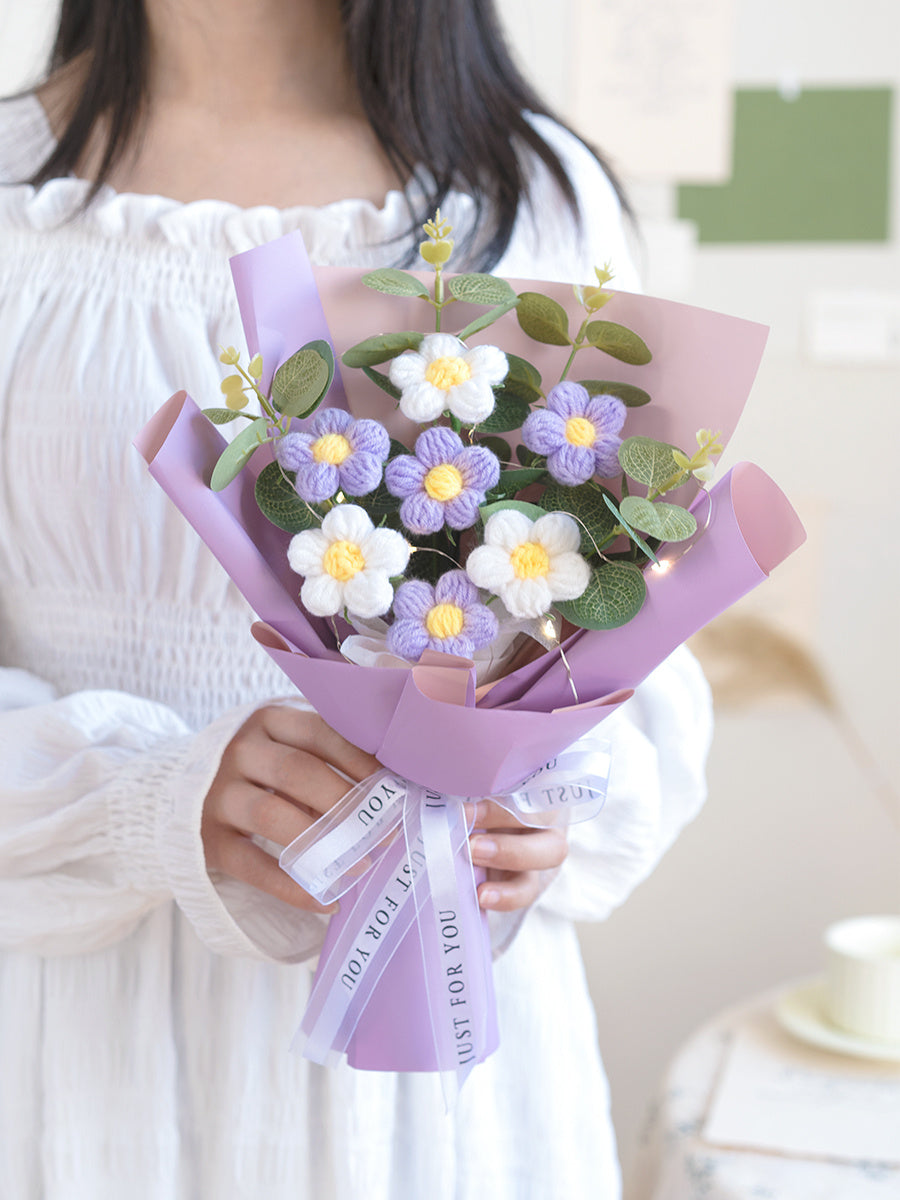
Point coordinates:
[(424, 877)]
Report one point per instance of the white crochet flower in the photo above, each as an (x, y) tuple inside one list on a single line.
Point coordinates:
[(529, 564), (443, 374), (347, 564)]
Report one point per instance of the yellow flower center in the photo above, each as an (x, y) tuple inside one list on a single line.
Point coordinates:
[(331, 448), (445, 620), (448, 372), (530, 560), (443, 483), (342, 560), (580, 431)]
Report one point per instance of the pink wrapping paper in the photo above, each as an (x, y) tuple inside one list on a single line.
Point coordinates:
[(423, 723)]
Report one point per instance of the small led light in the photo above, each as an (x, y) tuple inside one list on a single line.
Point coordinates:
[(549, 628), (663, 565)]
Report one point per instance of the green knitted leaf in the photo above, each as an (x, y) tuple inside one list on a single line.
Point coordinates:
[(522, 371), (614, 595), (521, 390), (498, 446), (382, 381), (395, 283), (300, 383), (509, 413), (222, 416), (585, 504), (380, 348), (237, 453), (632, 533), (631, 396), (619, 342), (668, 522), (516, 479), (532, 511), (543, 319), (647, 461), (280, 504), (481, 289)]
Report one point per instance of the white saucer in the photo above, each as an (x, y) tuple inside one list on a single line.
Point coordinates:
[(801, 1011)]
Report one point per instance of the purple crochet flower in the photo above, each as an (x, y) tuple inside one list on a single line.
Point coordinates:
[(443, 484), (337, 452), (578, 433), (448, 617)]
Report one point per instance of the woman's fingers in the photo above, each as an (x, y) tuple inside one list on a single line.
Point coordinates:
[(277, 775), (521, 850), (292, 753), (306, 731), (297, 775), (232, 854), (511, 892), (520, 859), (254, 811)]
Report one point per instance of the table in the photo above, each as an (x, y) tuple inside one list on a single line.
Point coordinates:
[(675, 1161)]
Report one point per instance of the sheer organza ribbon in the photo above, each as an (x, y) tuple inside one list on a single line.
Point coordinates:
[(424, 876)]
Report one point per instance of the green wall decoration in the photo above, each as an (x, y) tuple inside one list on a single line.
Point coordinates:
[(813, 168)]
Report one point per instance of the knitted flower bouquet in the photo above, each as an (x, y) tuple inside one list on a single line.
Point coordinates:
[(497, 521)]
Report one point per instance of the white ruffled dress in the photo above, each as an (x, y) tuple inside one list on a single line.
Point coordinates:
[(146, 1006)]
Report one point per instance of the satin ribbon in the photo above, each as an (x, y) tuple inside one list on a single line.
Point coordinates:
[(422, 877)]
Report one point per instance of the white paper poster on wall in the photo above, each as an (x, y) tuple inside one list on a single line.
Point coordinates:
[(648, 81)]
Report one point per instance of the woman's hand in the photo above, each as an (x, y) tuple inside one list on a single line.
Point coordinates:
[(274, 780), (520, 860)]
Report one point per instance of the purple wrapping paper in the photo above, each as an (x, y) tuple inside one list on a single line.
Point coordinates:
[(424, 723), (392, 1034), (181, 447), (752, 528)]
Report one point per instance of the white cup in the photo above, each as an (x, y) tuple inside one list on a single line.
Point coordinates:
[(862, 994)]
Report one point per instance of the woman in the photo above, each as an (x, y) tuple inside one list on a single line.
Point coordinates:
[(150, 986)]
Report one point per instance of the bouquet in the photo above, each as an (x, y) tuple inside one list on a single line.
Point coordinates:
[(493, 544)]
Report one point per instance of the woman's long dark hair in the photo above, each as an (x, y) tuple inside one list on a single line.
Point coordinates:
[(436, 81)]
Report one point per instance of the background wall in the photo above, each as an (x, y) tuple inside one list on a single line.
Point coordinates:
[(799, 828)]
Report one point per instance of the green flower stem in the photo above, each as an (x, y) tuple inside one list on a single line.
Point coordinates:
[(438, 297), (270, 412), (666, 486), (568, 364), (578, 344)]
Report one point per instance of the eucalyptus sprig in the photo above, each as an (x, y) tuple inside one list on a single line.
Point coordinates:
[(298, 387), (472, 288), (545, 320), (436, 251), (700, 464), (592, 298), (235, 388)]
